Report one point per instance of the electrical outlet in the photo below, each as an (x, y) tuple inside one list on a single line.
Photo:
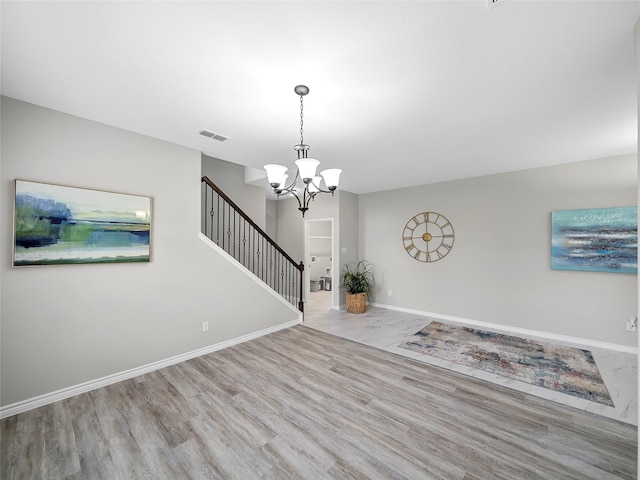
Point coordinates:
[(389, 293), (632, 324), (205, 326)]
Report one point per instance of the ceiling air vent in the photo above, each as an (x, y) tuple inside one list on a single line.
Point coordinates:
[(212, 135), (494, 3)]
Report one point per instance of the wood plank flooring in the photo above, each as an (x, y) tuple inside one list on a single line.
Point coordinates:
[(302, 404)]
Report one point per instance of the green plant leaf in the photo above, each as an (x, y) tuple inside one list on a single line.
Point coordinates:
[(357, 277)]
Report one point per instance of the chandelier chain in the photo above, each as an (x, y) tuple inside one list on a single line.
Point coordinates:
[(301, 120)]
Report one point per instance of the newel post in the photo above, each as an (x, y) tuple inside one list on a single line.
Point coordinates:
[(301, 302)]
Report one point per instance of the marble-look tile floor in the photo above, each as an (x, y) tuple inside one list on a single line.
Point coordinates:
[(386, 329)]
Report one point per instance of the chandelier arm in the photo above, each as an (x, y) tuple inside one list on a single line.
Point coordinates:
[(307, 198), (300, 204), (320, 189), (310, 197), (291, 186), (303, 205)]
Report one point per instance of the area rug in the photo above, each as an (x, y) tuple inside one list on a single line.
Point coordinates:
[(564, 369)]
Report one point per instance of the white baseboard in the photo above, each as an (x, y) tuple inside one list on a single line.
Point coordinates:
[(580, 342), (48, 398)]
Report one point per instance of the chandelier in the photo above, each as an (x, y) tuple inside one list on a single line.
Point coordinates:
[(306, 170)]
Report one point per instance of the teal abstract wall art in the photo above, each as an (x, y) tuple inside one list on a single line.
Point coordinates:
[(597, 240), (54, 224)]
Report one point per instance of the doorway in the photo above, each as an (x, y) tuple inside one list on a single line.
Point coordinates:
[(319, 284)]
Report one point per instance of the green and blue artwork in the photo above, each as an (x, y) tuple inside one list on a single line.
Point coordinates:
[(54, 224), (597, 240)]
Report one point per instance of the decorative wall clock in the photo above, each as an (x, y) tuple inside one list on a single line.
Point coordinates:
[(428, 237)]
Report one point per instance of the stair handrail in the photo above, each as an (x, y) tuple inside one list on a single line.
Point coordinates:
[(247, 218)]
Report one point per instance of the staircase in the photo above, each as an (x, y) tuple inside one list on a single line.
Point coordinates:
[(233, 231)]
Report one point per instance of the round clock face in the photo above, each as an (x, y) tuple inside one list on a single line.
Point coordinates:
[(428, 237)]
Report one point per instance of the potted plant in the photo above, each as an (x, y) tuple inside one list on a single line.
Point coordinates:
[(358, 281)]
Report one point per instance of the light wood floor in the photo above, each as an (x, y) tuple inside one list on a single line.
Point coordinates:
[(302, 404), (386, 329)]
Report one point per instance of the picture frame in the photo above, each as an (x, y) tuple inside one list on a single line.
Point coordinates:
[(57, 224), (596, 240)]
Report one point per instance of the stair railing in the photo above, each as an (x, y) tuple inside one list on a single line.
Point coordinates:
[(233, 230)]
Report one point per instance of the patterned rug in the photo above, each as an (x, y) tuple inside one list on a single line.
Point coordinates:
[(563, 369)]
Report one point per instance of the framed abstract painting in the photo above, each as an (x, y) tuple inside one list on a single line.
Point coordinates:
[(54, 224), (597, 240)]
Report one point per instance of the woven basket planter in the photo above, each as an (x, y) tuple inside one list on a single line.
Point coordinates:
[(356, 302)]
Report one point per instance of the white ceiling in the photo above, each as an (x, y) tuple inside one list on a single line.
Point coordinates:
[(402, 93)]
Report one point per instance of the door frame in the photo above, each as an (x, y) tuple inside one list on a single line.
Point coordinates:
[(307, 255)]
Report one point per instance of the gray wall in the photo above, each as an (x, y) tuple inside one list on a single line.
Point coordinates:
[(271, 219), (290, 227), (348, 234), (230, 178), (65, 325), (499, 268)]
